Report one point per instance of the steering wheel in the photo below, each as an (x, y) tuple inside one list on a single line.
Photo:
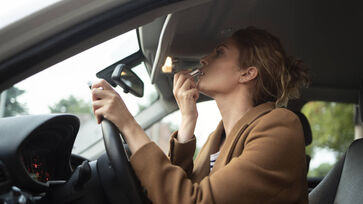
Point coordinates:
[(120, 163)]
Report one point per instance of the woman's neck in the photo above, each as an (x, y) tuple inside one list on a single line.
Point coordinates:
[(232, 107)]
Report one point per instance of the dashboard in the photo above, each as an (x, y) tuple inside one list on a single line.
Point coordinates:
[(39, 157), (36, 149), (38, 165)]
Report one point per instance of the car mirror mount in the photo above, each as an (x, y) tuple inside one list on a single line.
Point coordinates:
[(128, 80)]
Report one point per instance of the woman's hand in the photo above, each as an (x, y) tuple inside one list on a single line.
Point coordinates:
[(186, 94), (107, 103)]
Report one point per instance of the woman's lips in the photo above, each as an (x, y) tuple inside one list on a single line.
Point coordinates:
[(201, 72)]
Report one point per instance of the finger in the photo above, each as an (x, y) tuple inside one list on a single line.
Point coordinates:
[(188, 84), (98, 94), (191, 94), (196, 96), (99, 115), (181, 80), (177, 75), (177, 78), (102, 84), (97, 104), (181, 75)]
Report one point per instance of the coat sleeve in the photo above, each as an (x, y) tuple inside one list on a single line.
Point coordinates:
[(270, 169), (181, 154)]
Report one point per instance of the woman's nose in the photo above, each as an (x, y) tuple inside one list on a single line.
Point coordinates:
[(203, 61)]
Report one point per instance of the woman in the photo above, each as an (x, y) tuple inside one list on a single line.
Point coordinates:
[(260, 146)]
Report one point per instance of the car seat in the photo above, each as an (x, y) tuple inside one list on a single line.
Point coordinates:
[(307, 135), (344, 182), (312, 182)]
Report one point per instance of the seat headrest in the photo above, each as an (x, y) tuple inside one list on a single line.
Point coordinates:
[(306, 128)]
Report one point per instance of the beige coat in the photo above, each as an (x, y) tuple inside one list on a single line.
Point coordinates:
[(262, 161)]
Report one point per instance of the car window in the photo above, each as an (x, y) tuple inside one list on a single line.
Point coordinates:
[(208, 119), (63, 88), (332, 128)]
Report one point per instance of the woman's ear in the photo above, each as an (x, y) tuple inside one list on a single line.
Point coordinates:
[(248, 74)]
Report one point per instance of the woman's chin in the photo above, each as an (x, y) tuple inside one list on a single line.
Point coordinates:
[(200, 87), (203, 91), (203, 88)]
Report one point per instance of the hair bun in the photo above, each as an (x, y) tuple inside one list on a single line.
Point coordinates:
[(297, 77)]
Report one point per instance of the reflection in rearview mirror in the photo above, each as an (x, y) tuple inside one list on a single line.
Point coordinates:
[(128, 80)]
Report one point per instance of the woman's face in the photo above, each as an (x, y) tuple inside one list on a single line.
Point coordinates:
[(221, 70)]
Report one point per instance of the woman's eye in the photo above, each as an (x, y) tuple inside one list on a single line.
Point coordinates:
[(219, 52)]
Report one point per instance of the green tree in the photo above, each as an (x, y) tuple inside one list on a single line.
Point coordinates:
[(332, 126), (12, 105), (71, 105)]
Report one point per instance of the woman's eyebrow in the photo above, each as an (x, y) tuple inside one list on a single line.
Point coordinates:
[(222, 45)]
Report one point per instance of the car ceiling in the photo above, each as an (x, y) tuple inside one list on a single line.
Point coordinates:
[(325, 34)]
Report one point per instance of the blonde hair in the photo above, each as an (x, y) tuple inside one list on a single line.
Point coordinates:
[(280, 77)]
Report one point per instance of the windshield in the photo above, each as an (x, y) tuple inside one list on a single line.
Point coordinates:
[(63, 88), (12, 11)]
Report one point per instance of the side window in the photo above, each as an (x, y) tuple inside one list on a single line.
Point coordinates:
[(208, 119), (63, 89), (332, 128)]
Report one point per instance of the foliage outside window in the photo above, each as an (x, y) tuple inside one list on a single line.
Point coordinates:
[(11, 104), (332, 128)]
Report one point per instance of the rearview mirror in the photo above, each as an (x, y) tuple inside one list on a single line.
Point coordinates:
[(128, 80)]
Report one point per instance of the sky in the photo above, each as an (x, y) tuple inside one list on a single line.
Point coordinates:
[(72, 75)]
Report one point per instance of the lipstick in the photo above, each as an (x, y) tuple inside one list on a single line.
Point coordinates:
[(196, 74)]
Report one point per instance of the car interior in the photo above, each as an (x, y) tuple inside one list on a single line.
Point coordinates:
[(324, 34)]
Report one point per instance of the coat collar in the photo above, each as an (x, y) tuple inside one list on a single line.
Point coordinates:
[(234, 135)]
